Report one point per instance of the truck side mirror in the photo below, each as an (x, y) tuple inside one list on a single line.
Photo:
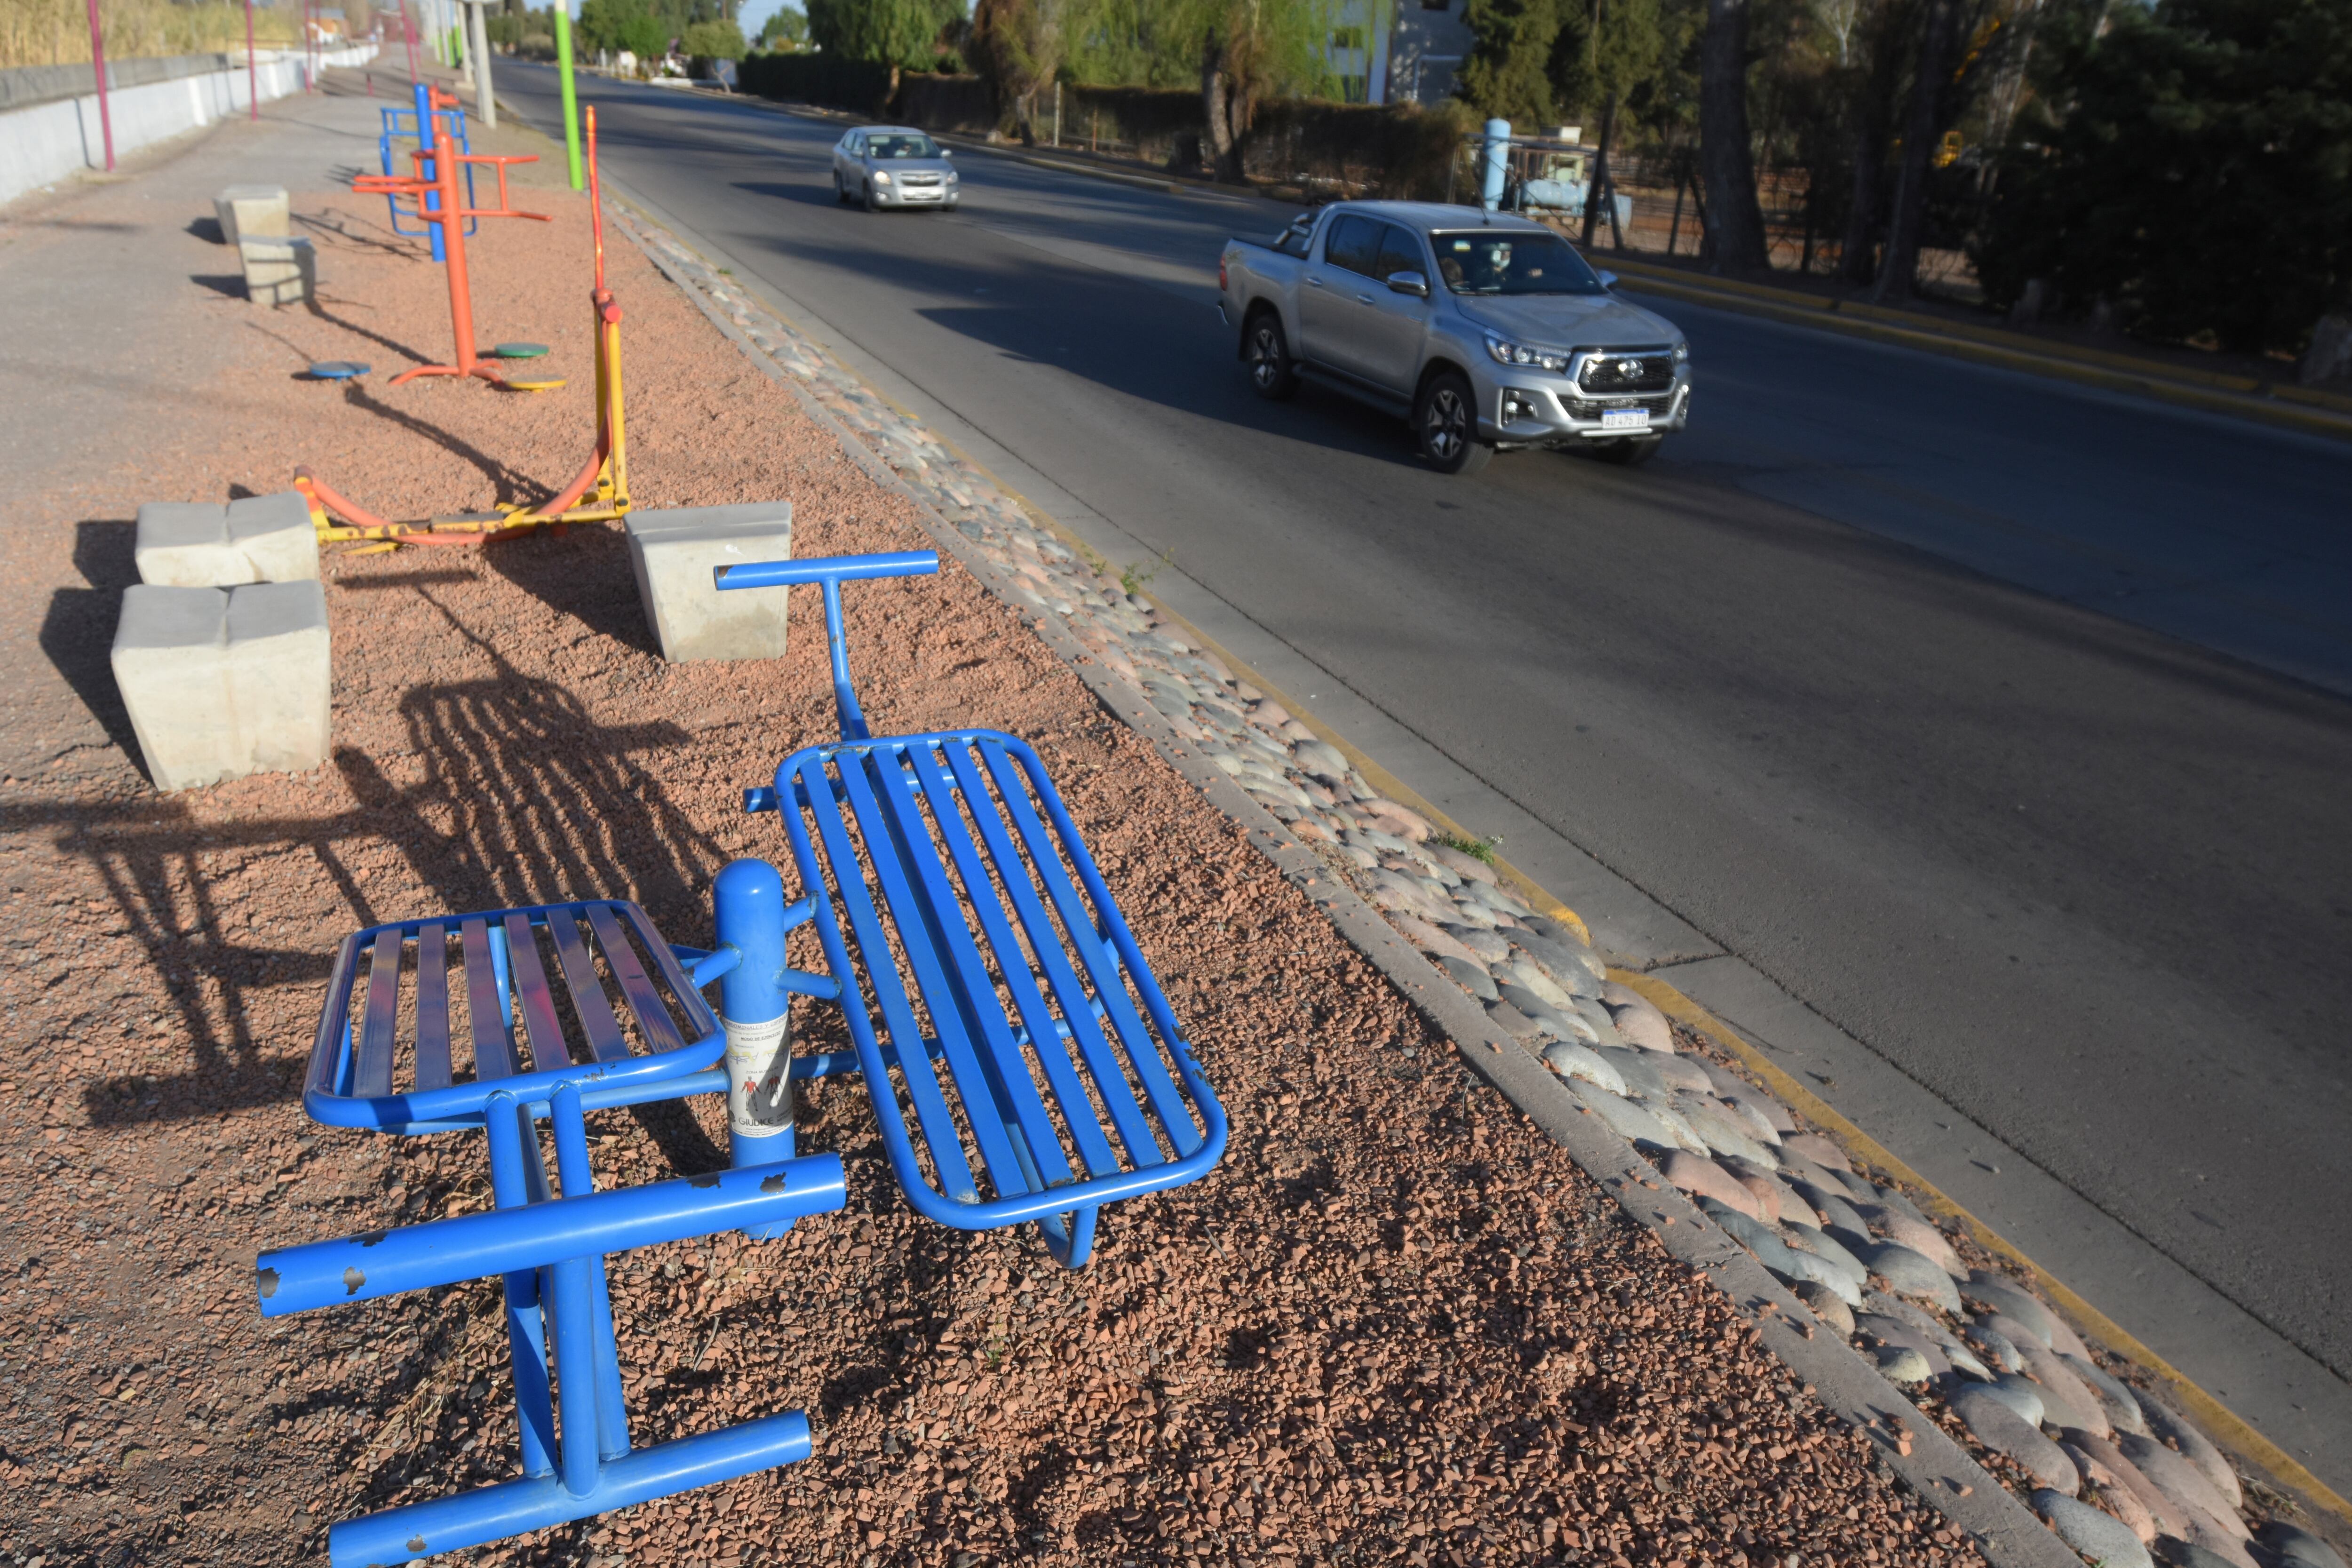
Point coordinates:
[(1411, 283), (1609, 279)]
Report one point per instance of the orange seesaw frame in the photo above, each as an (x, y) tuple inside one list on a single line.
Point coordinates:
[(603, 482)]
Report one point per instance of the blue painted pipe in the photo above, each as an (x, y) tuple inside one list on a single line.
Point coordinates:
[(511, 1508), (1495, 158), (830, 571), (430, 202), (476, 1246)]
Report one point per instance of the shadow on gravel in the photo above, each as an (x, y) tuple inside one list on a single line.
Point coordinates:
[(78, 633), (504, 791), (583, 572)]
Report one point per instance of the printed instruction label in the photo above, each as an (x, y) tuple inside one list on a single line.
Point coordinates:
[(759, 1087)]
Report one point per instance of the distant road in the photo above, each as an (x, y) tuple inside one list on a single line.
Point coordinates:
[(1999, 722)]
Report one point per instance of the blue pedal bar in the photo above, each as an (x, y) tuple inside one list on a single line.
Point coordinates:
[(511, 1508), (830, 571), (504, 1240)]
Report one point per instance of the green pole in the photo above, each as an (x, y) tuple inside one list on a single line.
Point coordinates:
[(570, 96)]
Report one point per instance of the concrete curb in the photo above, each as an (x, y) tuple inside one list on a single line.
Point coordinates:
[(2219, 1423), (1937, 1469)]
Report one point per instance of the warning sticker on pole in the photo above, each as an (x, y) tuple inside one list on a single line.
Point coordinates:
[(759, 1086)]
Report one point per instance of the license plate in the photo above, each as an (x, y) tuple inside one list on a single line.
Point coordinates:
[(1624, 419)]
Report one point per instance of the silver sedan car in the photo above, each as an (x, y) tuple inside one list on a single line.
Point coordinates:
[(892, 166)]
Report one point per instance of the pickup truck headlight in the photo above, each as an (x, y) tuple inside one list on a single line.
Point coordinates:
[(1505, 351), (1682, 352), (881, 176)]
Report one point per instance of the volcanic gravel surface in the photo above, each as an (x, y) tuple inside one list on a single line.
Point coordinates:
[(1396, 1325)]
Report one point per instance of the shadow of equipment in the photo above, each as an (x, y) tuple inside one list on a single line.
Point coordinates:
[(523, 798)]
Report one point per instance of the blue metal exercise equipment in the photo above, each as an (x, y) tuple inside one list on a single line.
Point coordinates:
[(1067, 1083), (417, 126), (1023, 1063)]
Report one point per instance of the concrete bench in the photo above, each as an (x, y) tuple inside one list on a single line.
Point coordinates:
[(203, 544), (674, 554), (223, 682), (277, 270), (261, 212)]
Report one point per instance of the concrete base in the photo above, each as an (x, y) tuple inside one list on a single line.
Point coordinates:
[(279, 272), (253, 212), (223, 682), (256, 538), (674, 554)]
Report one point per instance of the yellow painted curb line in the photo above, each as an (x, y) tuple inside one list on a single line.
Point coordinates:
[(2219, 1421)]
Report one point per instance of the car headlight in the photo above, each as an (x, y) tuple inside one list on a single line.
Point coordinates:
[(951, 176), (1505, 351), (1682, 352), (881, 176)]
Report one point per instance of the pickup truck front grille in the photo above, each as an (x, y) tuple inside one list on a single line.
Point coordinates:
[(1638, 370), (1656, 403)]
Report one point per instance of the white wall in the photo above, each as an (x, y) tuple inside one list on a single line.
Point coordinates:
[(50, 141)]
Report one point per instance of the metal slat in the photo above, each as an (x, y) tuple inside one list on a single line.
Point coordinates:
[(1100, 1060), (919, 935), (593, 1008), (653, 1015), (1168, 1103), (432, 1007), (1012, 1093), (372, 1062), (548, 1049), (494, 1052), (1079, 1111), (898, 1019)]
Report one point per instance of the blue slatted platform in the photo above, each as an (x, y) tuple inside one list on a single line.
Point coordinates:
[(960, 910)]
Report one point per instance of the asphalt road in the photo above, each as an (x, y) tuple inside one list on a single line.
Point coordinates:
[(1998, 723)]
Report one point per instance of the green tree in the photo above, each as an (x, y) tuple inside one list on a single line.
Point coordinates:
[(901, 34), (714, 40), (785, 30), (1510, 73), (1019, 45), (2192, 166)]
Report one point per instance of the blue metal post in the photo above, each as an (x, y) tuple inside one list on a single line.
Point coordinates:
[(748, 909), (430, 202), (1495, 160), (566, 1110), (508, 1124)]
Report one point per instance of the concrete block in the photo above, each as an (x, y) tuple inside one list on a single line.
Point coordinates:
[(279, 272), (259, 211), (255, 539), (223, 682), (674, 554)]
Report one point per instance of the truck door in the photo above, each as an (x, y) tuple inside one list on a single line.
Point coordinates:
[(1390, 327), (1330, 313)]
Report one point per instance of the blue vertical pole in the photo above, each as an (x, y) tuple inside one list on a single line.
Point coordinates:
[(1496, 163), (431, 201), (571, 1128), (512, 1164), (576, 1379), (748, 906)]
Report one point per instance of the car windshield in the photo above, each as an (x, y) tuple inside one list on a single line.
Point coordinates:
[(1511, 262), (901, 147)]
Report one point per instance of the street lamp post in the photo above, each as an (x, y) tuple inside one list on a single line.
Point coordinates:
[(97, 67)]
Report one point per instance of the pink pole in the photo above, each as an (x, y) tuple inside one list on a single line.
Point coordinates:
[(97, 66), (409, 37), (252, 71)]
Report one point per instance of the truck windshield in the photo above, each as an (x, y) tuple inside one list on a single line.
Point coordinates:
[(901, 147), (1511, 262)]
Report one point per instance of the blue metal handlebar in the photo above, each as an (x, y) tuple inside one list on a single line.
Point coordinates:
[(830, 571)]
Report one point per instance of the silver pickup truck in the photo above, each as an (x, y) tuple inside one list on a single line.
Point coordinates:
[(1491, 327)]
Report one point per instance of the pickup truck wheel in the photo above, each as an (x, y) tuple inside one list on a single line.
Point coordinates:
[(1632, 452), (1273, 374), (1446, 425)]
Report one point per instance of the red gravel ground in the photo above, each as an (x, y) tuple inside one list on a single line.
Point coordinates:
[(1397, 1325)]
